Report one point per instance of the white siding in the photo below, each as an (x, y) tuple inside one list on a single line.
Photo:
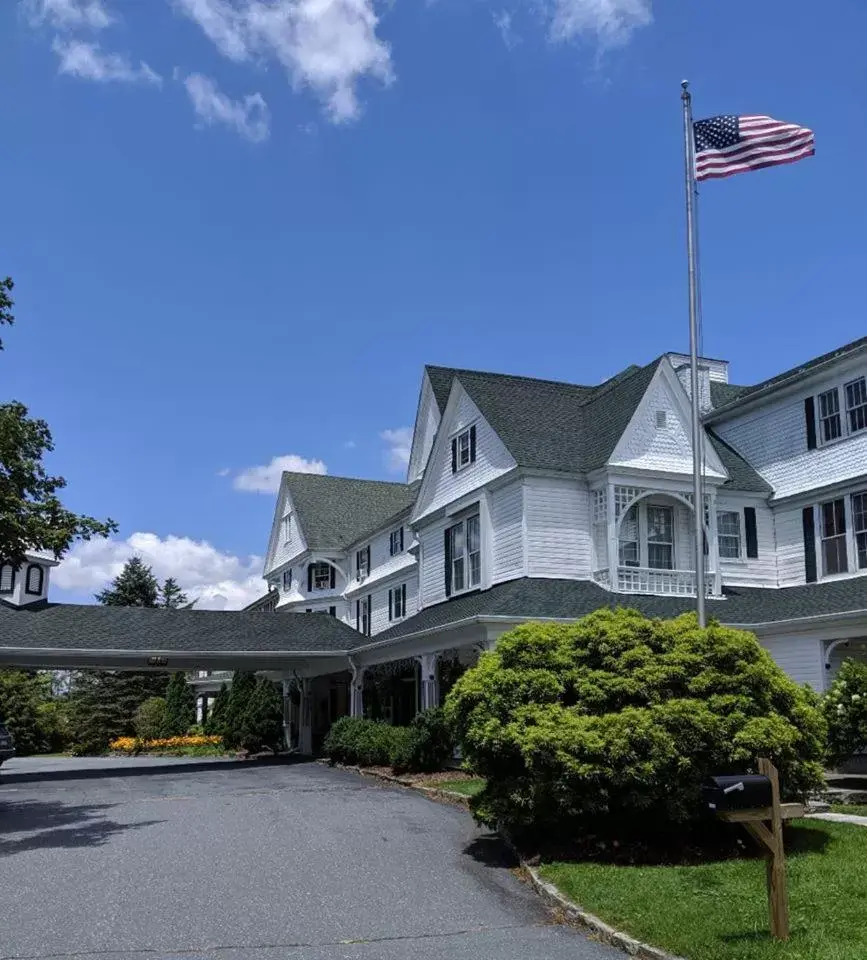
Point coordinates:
[(380, 619), (801, 658), (432, 587), (282, 550), (441, 486), (558, 528), (507, 520), (426, 423), (667, 449), (789, 529), (382, 563), (299, 597), (773, 438), (758, 571)]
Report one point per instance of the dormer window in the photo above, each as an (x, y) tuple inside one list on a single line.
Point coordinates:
[(320, 576), (464, 449), (838, 412), (395, 542), (7, 578), (362, 563), (34, 580)]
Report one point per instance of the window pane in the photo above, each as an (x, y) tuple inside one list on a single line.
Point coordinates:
[(833, 518), (475, 569), (458, 574), (457, 533), (659, 556), (659, 524), (729, 548), (859, 524), (834, 555), (464, 448), (629, 553), (473, 534)]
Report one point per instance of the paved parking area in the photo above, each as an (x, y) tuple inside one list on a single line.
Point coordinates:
[(251, 861)]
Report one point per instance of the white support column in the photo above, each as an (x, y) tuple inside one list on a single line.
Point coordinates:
[(430, 685), (356, 691), (200, 709), (613, 546), (713, 546), (287, 714), (305, 729)]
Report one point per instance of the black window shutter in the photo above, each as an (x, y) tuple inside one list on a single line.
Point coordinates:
[(455, 455), (369, 614), (333, 611), (473, 443), (368, 559), (809, 545), (309, 577), (391, 604), (333, 575), (357, 563), (751, 532), (448, 556), (357, 614), (401, 539), (810, 419), (403, 599)]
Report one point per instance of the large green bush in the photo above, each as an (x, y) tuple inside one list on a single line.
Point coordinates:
[(150, 719), (431, 744), (424, 746), (619, 719), (845, 709)]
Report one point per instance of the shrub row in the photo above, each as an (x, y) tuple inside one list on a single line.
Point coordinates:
[(424, 746)]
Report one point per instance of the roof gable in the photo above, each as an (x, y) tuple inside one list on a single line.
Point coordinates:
[(281, 549), (427, 421), (335, 512)]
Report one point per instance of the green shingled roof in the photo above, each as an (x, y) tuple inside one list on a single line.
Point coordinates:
[(550, 425), (335, 512)]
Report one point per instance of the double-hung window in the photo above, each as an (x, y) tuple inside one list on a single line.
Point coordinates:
[(660, 538), (464, 554), (630, 555), (834, 547), (362, 563), (728, 525), (397, 602), (856, 404), (829, 415), (395, 542), (859, 526), (287, 580), (362, 615), (464, 449), (320, 576)]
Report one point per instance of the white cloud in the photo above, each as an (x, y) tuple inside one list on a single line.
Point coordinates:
[(349, 444), (610, 22), (399, 445), (326, 45), (266, 478), (87, 61), (216, 580), (503, 22), (68, 14), (250, 117)]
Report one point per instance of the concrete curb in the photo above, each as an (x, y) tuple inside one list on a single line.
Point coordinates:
[(599, 929)]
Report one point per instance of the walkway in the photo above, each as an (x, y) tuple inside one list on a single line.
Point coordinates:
[(220, 859)]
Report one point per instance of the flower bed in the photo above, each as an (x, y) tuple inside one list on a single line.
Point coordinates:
[(195, 745)]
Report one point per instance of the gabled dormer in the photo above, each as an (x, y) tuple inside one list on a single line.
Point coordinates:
[(27, 584)]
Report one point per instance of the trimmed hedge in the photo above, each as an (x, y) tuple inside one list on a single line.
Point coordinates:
[(424, 746)]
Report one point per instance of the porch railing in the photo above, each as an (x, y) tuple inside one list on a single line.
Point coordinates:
[(679, 583)]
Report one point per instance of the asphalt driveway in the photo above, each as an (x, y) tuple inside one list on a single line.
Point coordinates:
[(219, 859)]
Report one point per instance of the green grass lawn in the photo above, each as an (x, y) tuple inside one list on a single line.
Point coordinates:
[(718, 911), (856, 809), (469, 788)]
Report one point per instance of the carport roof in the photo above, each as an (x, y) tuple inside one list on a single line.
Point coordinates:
[(64, 626)]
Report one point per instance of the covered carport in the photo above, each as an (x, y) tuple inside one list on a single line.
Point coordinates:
[(308, 651)]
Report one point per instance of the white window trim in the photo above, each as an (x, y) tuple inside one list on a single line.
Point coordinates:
[(362, 572), (852, 568), (394, 593), (394, 537), (321, 565), (465, 432), (842, 412), (467, 587), (643, 542), (741, 557)]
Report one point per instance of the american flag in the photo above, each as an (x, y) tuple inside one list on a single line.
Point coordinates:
[(727, 145)]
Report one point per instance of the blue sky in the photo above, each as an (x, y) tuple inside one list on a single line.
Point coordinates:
[(239, 228)]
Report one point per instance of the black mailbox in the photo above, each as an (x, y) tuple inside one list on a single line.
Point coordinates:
[(743, 792)]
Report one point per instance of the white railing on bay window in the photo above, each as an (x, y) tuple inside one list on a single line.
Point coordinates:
[(651, 580)]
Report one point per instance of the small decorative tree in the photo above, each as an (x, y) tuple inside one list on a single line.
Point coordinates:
[(180, 706), (262, 721), (845, 709), (150, 719), (215, 722), (240, 694)]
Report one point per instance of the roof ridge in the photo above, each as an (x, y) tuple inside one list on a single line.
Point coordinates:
[(510, 376), (334, 476), (617, 381)]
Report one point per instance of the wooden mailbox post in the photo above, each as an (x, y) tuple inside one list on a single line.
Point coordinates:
[(765, 825)]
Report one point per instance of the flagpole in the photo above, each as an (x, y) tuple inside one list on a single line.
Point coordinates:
[(698, 499)]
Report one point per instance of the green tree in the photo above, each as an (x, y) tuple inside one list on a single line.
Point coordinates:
[(6, 304), (25, 708), (845, 709), (150, 718), (241, 692), (180, 706), (215, 722), (262, 722), (171, 596), (617, 720), (134, 586)]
